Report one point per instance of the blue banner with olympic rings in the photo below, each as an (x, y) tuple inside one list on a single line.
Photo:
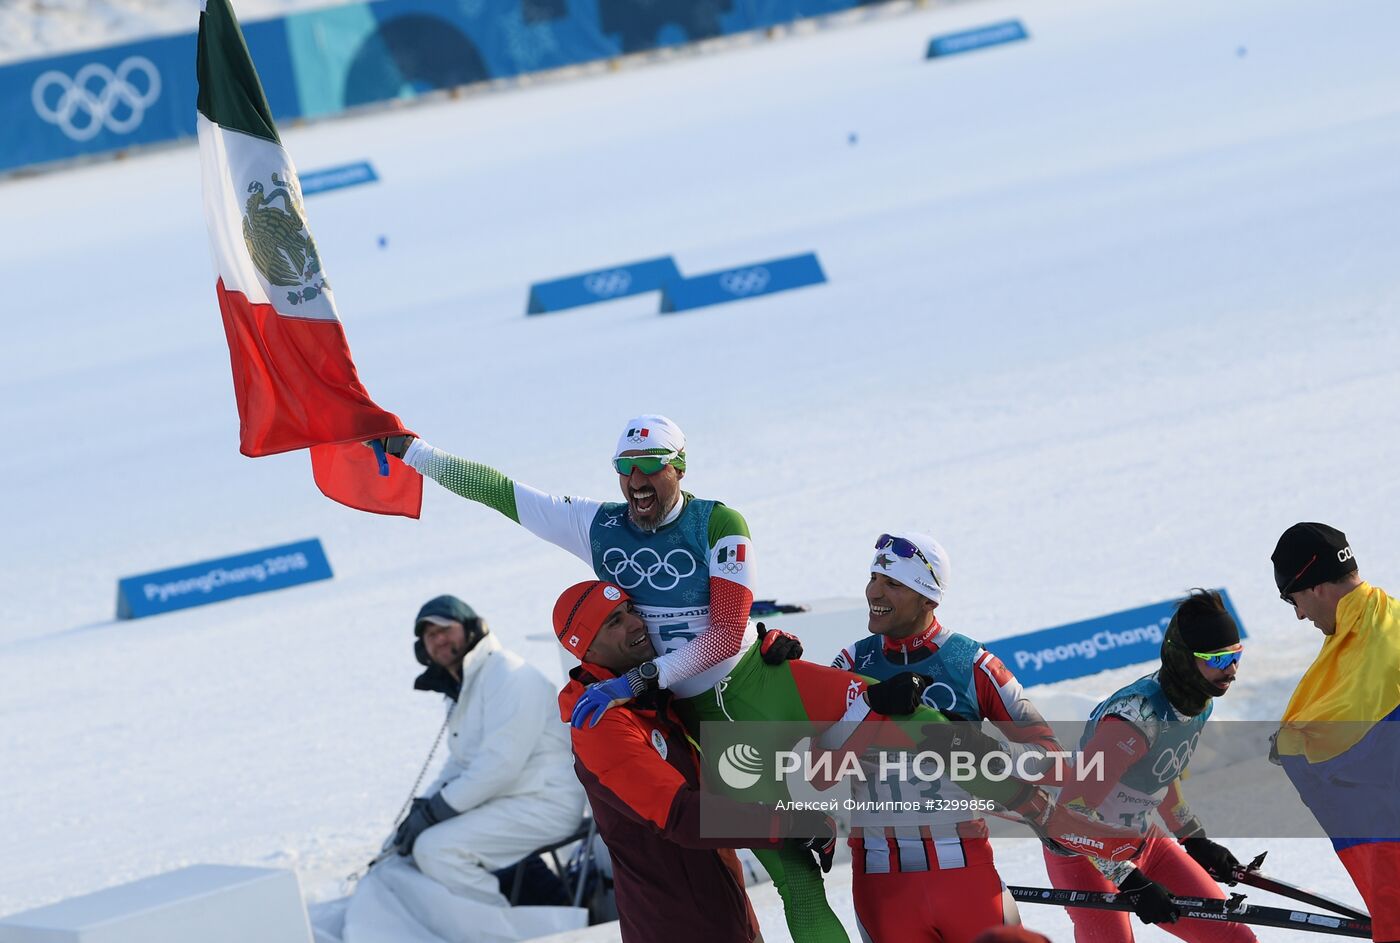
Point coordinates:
[(103, 100), (323, 61)]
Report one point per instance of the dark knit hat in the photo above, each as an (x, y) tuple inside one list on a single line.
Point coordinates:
[(1201, 623), (443, 609), (1309, 554)]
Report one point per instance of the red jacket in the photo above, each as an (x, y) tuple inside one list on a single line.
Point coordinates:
[(642, 776)]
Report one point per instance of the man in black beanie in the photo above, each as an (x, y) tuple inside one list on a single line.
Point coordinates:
[(1314, 568), (1339, 740)]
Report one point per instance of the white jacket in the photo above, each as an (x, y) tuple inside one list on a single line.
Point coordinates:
[(504, 734)]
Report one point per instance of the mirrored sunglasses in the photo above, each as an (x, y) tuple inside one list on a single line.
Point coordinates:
[(905, 549), (646, 464), (1220, 660)]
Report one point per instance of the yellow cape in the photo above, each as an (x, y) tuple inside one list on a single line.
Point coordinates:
[(1353, 682)]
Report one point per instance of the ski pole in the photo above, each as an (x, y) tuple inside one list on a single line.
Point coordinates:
[(1251, 875), (1203, 908)]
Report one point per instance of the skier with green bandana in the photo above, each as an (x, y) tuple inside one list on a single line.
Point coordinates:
[(687, 564)]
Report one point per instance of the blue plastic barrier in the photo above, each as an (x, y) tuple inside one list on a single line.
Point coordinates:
[(748, 281), (336, 178), (979, 38), (602, 285), (259, 571), (1085, 648)]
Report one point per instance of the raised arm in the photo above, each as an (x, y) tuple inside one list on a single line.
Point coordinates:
[(562, 521)]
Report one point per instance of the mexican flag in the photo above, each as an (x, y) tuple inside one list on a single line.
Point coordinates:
[(293, 378)]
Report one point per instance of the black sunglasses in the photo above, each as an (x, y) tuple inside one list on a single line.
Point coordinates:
[(1287, 596)]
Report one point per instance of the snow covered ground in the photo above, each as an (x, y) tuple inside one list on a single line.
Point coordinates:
[(1108, 310)]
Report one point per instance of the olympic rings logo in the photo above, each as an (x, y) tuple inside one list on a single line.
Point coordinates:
[(646, 565), (608, 284), (932, 699), (1170, 763), (731, 567), (745, 281), (99, 109)]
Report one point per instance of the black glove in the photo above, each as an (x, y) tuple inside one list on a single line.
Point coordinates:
[(899, 695), (961, 735), (776, 646), (395, 445), (1150, 900), (424, 814), (816, 832), (1216, 859)]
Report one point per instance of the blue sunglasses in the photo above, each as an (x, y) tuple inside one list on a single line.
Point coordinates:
[(907, 550), (1220, 660)]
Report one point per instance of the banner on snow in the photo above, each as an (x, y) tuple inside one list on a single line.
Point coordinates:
[(980, 38), (259, 571), (588, 288), (1091, 646), (746, 281), (337, 178)]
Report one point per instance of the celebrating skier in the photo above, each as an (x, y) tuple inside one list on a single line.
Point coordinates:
[(687, 565), (932, 876), (1144, 735)]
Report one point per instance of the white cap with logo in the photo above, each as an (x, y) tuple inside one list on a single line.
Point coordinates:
[(651, 433)]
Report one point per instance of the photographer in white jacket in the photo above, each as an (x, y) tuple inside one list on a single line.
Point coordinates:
[(508, 785)]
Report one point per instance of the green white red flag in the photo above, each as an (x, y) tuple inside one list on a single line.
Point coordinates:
[(293, 378)]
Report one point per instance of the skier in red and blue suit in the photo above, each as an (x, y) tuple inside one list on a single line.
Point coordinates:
[(932, 878)]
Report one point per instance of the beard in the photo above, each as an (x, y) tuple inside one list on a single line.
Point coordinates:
[(651, 526), (646, 527)]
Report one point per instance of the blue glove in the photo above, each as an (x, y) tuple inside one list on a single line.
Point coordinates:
[(598, 698), (424, 815)]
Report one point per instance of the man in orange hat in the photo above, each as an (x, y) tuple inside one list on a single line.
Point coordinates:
[(642, 776)]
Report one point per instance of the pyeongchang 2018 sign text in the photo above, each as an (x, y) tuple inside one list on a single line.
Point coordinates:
[(1094, 645)]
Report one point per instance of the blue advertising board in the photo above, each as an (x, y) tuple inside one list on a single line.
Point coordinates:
[(110, 99), (325, 60), (603, 285), (243, 574), (747, 281), (336, 178), (979, 38), (1084, 648)]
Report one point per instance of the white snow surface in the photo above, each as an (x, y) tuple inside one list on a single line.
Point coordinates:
[(1107, 311)]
